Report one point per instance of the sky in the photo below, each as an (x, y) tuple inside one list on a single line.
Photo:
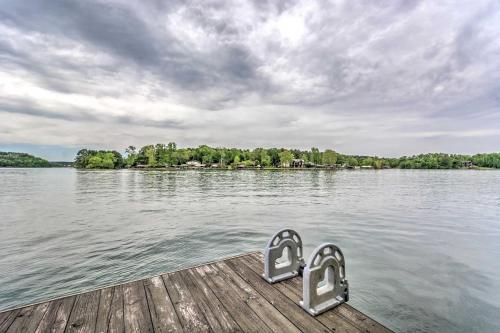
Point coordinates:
[(384, 78)]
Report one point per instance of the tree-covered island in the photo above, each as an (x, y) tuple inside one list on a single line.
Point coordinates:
[(170, 156), (22, 160)]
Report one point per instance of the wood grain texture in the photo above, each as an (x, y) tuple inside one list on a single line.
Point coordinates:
[(225, 296), (56, 317), (8, 319), (29, 318), (330, 320), (287, 307), (337, 317), (225, 319), (191, 317), (162, 310), (84, 314), (104, 309), (265, 310), (4, 315), (116, 321), (237, 307), (136, 311)]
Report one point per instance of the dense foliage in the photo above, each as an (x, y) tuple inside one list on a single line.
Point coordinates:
[(170, 155), (446, 161), (22, 160), (161, 155), (98, 159)]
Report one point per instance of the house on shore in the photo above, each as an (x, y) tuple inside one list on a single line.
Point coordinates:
[(194, 164), (297, 163), (467, 164)]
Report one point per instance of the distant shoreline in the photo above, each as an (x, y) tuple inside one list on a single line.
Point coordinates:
[(235, 169), (285, 169), (169, 157)]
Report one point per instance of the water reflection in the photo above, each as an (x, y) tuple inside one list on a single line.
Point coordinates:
[(422, 247)]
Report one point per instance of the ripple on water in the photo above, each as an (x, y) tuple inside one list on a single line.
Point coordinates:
[(422, 247)]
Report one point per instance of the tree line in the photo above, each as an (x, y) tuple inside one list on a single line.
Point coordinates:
[(169, 155), (22, 160), (98, 159)]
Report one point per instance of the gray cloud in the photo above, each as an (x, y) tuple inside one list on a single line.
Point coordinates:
[(396, 74), (115, 28), (80, 115), (37, 111)]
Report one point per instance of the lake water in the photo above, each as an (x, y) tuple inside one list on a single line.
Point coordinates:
[(422, 247)]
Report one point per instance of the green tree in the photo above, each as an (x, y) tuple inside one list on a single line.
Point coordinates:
[(329, 157), (315, 156), (286, 157), (22, 160), (160, 154), (131, 158), (81, 158), (274, 155), (367, 161), (265, 159), (151, 156), (352, 162), (92, 159)]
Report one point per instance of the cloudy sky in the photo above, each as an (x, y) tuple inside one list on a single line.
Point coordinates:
[(365, 77)]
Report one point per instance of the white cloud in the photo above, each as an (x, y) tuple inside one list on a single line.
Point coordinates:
[(371, 78)]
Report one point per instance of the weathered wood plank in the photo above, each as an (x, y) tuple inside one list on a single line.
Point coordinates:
[(63, 314), (340, 314), (136, 312), (49, 317), (349, 314), (4, 315), (84, 314), (329, 319), (345, 311), (29, 318), (110, 312), (202, 304), (191, 317), (227, 323), (238, 308), (332, 321), (286, 306), (162, 310), (205, 305), (8, 319), (104, 309), (265, 310), (116, 321), (57, 315), (223, 296)]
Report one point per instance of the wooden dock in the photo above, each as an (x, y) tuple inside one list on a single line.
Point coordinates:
[(224, 296)]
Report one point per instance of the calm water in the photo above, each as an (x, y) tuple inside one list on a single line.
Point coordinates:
[(422, 247)]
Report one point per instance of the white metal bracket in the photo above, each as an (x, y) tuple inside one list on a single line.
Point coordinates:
[(283, 256), (324, 283)]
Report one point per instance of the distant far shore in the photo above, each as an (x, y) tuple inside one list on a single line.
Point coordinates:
[(169, 157), (23, 160), (178, 168)]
